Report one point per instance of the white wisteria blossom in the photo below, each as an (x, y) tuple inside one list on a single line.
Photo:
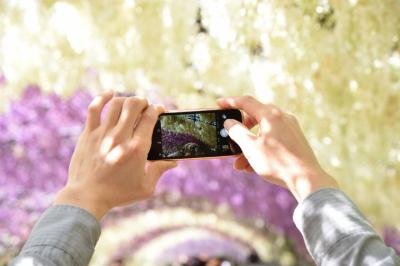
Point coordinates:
[(336, 64)]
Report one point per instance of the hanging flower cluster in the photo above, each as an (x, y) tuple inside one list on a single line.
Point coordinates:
[(336, 64), (37, 138)]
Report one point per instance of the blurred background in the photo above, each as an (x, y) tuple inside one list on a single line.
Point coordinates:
[(335, 64)]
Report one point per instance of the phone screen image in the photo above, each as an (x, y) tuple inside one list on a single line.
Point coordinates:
[(195, 134)]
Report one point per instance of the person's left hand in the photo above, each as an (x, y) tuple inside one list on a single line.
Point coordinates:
[(109, 167)]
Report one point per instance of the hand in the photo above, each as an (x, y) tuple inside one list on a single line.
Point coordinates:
[(109, 167), (279, 152)]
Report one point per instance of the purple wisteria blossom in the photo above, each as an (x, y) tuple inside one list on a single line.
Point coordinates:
[(38, 135), (172, 141), (2, 79), (37, 138), (249, 196)]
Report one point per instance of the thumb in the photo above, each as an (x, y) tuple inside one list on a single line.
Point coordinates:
[(240, 134), (155, 169)]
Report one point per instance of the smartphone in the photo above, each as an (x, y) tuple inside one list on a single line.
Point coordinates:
[(193, 134)]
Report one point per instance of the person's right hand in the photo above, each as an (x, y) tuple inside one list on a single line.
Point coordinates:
[(279, 152)]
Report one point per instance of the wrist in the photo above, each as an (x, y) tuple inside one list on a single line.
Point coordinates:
[(81, 199), (305, 184)]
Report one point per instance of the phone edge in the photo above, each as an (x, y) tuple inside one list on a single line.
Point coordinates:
[(201, 158)]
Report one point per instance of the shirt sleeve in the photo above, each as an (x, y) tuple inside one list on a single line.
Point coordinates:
[(336, 233), (64, 235)]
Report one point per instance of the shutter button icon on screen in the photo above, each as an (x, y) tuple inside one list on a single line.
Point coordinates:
[(223, 133)]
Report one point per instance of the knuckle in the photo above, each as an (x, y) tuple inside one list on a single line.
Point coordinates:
[(134, 146), (140, 98), (108, 143), (132, 101), (150, 113), (278, 115), (93, 108), (137, 148), (126, 156), (160, 108), (273, 111), (130, 154), (130, 105), (116, 139), (117, 101), (143, 103), (247, 98)]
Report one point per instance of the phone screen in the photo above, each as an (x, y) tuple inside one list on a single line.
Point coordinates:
[(193, 134)]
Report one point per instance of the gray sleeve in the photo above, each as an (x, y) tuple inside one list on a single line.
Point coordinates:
[(64, 235), (336, 233)]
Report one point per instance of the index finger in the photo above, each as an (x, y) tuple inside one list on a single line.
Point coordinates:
[(248, 120), (144, 129), (95, 108), (247, 103)]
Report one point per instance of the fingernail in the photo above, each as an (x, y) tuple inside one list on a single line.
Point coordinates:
[(229, 123)]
